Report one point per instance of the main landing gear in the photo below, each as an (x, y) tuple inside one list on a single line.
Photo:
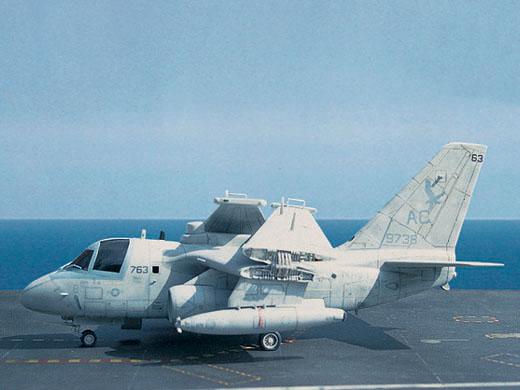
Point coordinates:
[(270, 341), (88, 338)]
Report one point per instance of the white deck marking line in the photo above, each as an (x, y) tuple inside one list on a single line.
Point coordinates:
[(438, 341), (476, 319), (38, 340), (503, 335), (421, 359), (17, 340), (495, 359), (384, 386)]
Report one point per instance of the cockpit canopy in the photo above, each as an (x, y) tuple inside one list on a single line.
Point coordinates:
[(109, 256)]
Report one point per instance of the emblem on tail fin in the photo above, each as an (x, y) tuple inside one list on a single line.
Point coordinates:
[(429, 211), (433, 198)]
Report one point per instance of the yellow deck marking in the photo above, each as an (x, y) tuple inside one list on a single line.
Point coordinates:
[(189, 373), (251, 378), (74, 361)]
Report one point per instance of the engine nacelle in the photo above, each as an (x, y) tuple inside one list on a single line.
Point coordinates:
[(188, 300)]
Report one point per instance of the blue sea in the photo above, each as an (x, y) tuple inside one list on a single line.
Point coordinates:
[(31, 248)]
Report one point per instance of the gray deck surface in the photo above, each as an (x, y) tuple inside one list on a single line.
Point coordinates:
[(435, 337)]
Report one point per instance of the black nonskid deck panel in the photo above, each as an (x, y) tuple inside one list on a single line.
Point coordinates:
[(436, 337)]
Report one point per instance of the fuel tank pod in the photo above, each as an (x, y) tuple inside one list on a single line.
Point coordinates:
[(260, 320)]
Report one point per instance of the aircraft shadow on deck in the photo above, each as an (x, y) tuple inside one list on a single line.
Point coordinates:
[(161, 343), (357, 332), (192, 349), (157, 348)]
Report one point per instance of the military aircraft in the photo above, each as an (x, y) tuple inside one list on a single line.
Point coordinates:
[(237, 273)]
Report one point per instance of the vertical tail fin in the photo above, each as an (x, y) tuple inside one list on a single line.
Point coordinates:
[(429, 211)]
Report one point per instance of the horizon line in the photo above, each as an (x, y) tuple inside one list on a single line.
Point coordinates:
[(203, 219)]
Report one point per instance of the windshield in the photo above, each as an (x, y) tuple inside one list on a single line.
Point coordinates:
[(82, 261), (111, 255)]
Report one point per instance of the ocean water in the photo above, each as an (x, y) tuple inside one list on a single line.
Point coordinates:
[(31, 248)]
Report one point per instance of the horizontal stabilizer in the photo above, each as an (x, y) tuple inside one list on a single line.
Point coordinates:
[(419, 264)]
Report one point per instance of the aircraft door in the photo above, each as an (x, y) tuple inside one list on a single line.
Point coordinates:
[(157, 277), (135, 284), (156, 294), (93, 303)]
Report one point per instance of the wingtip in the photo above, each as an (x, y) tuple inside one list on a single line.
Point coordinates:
[(472, 263)]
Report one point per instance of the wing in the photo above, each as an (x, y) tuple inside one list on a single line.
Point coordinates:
[(430, 264), (278, 258), (236, 214), (287, 244), (290, 228)]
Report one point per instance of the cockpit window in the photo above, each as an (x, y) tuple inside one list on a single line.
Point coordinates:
[(82, 261), (111, 255)]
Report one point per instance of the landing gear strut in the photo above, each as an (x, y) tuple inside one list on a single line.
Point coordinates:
[(270, 341), (88, 338)]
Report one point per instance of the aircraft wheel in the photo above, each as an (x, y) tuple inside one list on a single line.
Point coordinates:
[(270, 341), (88, 338)]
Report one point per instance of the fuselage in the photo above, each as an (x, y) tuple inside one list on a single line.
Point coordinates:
[(135, 284)]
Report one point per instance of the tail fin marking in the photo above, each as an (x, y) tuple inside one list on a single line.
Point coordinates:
[(429, 211)]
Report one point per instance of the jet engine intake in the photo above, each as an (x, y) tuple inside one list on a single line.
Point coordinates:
[(187, 300)]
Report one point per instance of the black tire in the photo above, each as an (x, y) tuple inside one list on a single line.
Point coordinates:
[(270, 341), (88, 338)]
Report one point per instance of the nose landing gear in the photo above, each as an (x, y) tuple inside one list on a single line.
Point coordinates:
[(88, 338)]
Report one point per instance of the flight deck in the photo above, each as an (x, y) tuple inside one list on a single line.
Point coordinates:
[(466, 337)]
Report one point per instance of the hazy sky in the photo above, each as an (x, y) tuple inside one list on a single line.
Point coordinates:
[(150, 109)]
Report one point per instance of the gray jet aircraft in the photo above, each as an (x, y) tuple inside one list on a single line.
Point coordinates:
[(236, 273)]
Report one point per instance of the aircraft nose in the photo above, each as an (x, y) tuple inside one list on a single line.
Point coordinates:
[(37, 295)]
